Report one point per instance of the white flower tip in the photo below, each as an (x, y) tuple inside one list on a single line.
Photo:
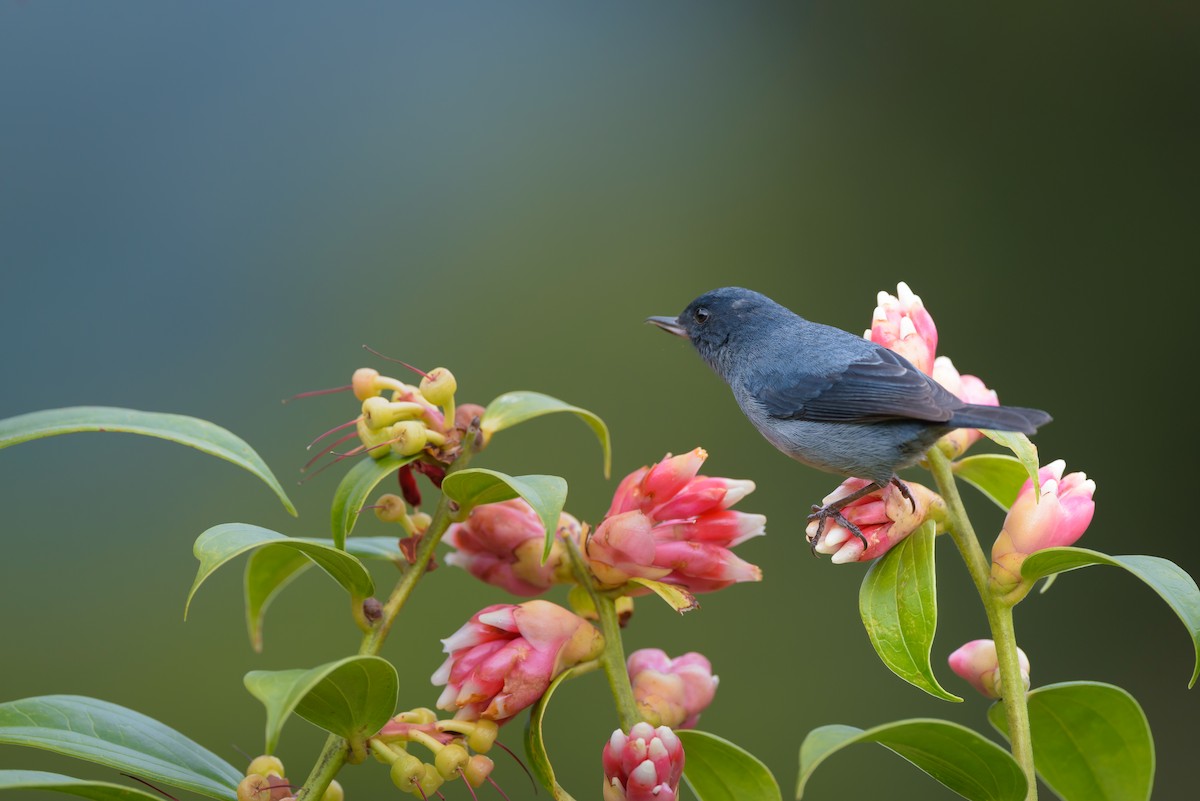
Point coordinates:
[(1057, 467), (657, 750), (879, 315), (867, 335), (442, 674), (884, 298), (1049, 487), (834, 537), (644, 774), (907, 329), (906, 295), (1088, 487), (500, 618), (848, 553), (617, 740)]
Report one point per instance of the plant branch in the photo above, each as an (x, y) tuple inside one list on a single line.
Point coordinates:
[(612, 659), (999, 615)]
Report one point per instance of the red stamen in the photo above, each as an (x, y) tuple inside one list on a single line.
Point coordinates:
[(501, 792), (151, 786), (315, 392), (421, 373), (330, 431), (470, 789), (519, 762), (328, 450), (439, 795), (422, 792)]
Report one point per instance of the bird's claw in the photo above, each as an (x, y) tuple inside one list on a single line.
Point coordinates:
[(822, 514), (905, 491)]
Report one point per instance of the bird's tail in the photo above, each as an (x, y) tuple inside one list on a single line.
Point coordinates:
[(1000, 418)]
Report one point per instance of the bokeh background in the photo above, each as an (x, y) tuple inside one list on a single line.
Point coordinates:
[(205, 208)]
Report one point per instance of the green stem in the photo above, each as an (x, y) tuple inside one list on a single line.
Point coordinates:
[(612, 658), (999, 615), (333, 755)]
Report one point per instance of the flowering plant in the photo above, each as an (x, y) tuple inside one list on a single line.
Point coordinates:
[(670, 533)]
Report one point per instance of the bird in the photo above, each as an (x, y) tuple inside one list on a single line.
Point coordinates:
[(828, 398)]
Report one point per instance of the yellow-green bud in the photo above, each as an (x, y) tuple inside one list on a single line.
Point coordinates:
[(421, 716), (450, 760), (407, 770), (430, 781), (375, 441), (439, 386), (421, 522), (265, 765), (478, 769), (408, 438), (367, 383), (483, 735), (380, 413), (390, 508)]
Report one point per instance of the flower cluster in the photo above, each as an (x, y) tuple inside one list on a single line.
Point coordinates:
[(883, 518), (644, 765), (503, 659), (669, 524), (671, 692), (449, 741)]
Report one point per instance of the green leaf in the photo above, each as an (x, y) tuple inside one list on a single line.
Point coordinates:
[(964, 761), (351, 494), (273, 567), (1025, 451), (1091, 741), (1169, 580), (535, 743), (476, 487), (679, 598), (898, 605), (68, 785), (190, 431), (351, 698), (119, 738), (996, 475), (717, 770), (512, 408), (221, 543)]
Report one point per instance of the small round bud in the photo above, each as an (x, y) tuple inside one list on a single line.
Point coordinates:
[(421, 716), (390, 508), (466, 413), (334, 792), (408, 438), (483, 736), (364, 383), (265, 765), (254, 788), (478, 769), (407, 770), (439, 386), (421, 522), (372, 609), (375, 441), (430, 781), (450, 760)]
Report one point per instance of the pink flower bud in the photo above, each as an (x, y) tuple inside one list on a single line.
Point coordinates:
[(671, 692), (503, 659), (502, 543), (1059, 517), (884, 517), (967, 388), (669, 524), (901, 324), (644, 765), (977, 663)]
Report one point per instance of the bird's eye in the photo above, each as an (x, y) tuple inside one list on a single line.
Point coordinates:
[(701, 315)]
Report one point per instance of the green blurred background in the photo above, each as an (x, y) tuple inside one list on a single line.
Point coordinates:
[(206, 208)]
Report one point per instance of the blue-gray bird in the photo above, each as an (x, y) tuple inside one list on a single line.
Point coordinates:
[(826, 397)]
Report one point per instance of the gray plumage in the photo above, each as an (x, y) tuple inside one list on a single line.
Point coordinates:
[(826, 397)]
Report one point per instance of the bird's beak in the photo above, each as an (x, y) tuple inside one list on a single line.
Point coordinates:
[(669, 324)]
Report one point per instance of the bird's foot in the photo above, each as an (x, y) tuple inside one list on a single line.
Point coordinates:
[(905, 491), (822, 515)]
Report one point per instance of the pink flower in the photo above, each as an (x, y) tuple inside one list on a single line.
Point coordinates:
[(1059, 517), (669, 524), (506, 655), (644, 765), (501, 543), (976, 662), (884, 517), (671, 692), (966, 388), (901, 324)]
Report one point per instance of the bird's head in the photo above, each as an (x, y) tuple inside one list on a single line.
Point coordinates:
[(719, 320)]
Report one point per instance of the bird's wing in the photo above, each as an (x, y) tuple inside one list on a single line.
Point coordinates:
[(880, 386)]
